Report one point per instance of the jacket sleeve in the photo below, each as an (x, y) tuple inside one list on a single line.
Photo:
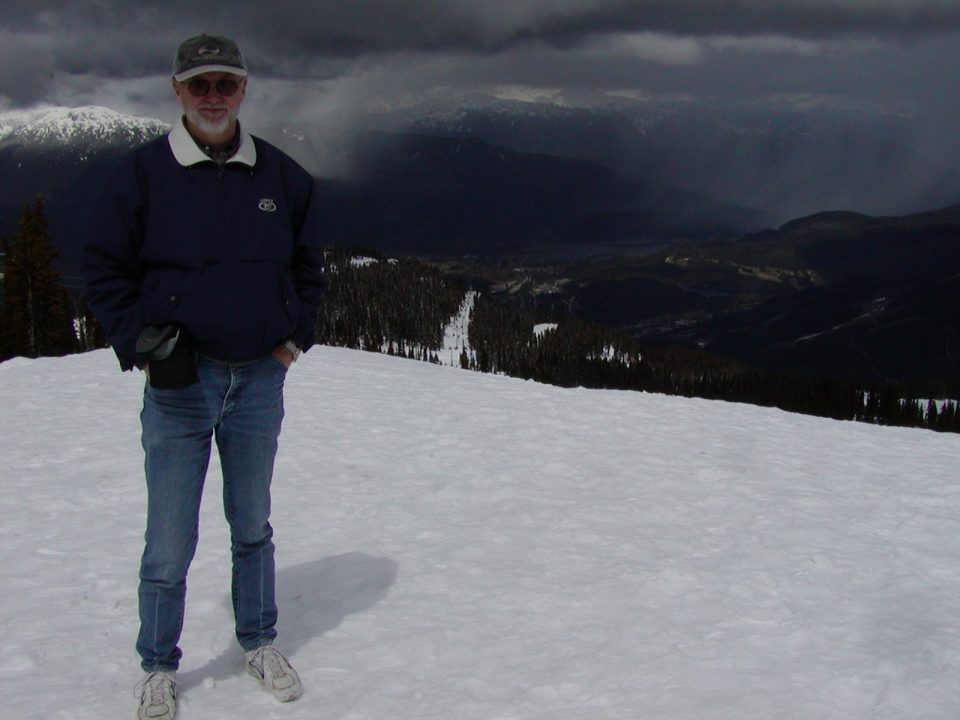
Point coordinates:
[(111, 266), (308, 270)]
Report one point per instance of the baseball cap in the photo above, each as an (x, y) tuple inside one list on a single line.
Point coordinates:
[(207, 53)]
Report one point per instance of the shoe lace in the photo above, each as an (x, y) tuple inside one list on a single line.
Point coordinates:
[(152, 690), (269, 658)]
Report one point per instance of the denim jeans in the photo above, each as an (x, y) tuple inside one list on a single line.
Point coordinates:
[(241, 405)]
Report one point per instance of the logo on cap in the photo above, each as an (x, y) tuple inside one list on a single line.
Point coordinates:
[(208, 50)]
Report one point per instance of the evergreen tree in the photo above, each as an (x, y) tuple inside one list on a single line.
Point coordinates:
[(37, 318)]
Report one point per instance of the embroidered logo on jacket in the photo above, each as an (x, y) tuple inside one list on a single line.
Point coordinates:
[(267, 205)]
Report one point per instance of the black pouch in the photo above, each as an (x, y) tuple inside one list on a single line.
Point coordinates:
[(169, 352)]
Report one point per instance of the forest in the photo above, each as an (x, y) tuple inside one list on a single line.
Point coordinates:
[(402, 307)]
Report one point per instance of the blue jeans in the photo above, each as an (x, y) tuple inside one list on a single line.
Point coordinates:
[(242, 406)]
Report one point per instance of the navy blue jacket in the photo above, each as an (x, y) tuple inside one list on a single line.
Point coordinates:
[(231, 253)]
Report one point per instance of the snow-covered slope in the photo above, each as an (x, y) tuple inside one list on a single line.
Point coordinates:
[(90, 128), (461, 546)]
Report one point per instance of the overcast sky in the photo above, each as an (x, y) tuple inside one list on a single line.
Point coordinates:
[(310, 59)]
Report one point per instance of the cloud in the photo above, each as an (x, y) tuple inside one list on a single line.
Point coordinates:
[(764, 44), (648, 46), (325, 58), (527, 94), (27, 67), (809, 19), (290, 37)]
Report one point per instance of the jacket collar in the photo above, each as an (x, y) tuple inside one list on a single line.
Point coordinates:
[(187, 153)]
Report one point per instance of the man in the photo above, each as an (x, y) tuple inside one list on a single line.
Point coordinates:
[(204, 267)]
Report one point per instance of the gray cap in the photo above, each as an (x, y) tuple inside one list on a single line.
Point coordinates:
[(207, 53)]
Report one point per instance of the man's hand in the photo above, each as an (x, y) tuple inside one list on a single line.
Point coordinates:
[(283, 356)]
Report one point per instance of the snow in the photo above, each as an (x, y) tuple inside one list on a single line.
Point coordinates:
[(458, 545), (363, 261), (89, 126), (456, 334)]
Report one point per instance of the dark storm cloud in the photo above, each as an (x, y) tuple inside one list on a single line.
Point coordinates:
[(318, 56), (290, 36), (370, 26), (800, 18)]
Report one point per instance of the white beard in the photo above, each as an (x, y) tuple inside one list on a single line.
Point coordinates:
[(197, 120)]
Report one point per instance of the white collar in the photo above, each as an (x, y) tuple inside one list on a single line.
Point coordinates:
[(187, 152)]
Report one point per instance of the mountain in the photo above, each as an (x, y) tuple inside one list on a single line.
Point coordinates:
[(881, 301), (789, 156), (50, 150), (419, 194), (66, 154), (863, 298), (84, 130)]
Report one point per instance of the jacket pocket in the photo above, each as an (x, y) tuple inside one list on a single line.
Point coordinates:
[(160, 296)]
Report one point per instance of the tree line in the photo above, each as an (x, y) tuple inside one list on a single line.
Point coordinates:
[(399, 307), (581, 353), (402, 307)]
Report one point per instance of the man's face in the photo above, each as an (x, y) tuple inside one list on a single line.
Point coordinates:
[(214, 112)]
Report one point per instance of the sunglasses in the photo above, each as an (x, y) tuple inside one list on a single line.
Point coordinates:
[(200, 87)]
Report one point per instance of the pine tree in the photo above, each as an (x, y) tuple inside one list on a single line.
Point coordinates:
[(36, 311), (931, 415)]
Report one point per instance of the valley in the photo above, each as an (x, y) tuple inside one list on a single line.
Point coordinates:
[(844, 295)]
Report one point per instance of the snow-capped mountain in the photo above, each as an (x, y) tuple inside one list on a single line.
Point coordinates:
[(65, 155), (91, 128)]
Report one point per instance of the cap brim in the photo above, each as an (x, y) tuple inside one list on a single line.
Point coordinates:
[(201, 69)]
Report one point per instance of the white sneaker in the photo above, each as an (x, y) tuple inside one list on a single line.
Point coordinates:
[(273, 670), (158, 696)]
